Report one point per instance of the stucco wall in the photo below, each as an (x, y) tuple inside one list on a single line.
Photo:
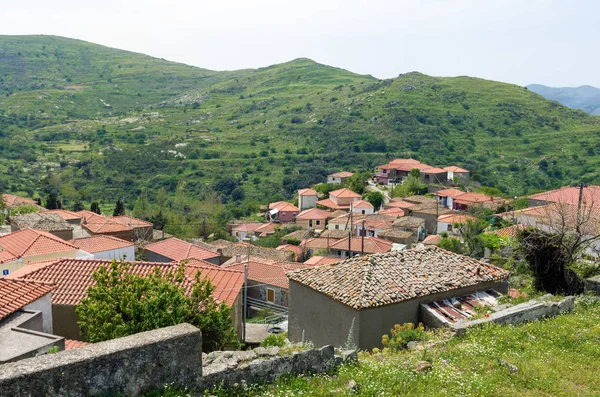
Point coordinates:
[(129, 252), (44, 305), (306, 202), (65, 322), (430, 221), (124, 366), (323, 320)]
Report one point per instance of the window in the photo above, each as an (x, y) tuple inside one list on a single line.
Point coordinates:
[(318, 222), (310, 224), (337, 227), (5, 272), (270, 295), (364, 212), (449, 228), (283, 214)]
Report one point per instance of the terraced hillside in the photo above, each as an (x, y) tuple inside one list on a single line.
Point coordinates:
[(97, 123)]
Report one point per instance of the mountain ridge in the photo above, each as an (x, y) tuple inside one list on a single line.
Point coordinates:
[(584, 97)]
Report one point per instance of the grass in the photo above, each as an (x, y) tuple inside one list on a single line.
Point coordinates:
[(555, 357)]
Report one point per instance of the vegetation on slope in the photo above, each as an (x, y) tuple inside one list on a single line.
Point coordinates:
[(94, 123), (553, 357)]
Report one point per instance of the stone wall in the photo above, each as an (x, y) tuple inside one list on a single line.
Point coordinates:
[(127, 366), (592, 285), (264, 365)]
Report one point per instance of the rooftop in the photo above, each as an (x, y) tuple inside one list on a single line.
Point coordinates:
[(41, 221), (313, 213), (283, 206), (455, 218), (307, 192), (100, 243), (31, 242), (329, 203), (11, 201), (394, 233), (344, 193), (432, 239), (66, 215), (383, 279), (74, 276), (130, 221), (271, 273), (411, 222), (178, 250), (99, 224), (371, 245), (454, 168), (342, 174), (397, 212), (570, 195), (510, 231), (321, 260), (362, 204), (16, 294)]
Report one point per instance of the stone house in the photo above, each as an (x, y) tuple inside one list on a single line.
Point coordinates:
[(70, 217), (50, 223), (411, 224), (375, 292), (429, 212)]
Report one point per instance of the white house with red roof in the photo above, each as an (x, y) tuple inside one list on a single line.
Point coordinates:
[(106, 247), (340, 199), (339, 177), (362, 207), (31, 245), (307, 198)]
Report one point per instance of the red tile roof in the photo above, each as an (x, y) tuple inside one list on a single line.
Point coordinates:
[(130, 221), (392, 211), (319, 242), (307, 192), (510, 231), (398, 204), (362, 204), (344, 193), (99, 224), (434, 170), (284, 206), (291, 247), (329, 203), (432, 239), (178, 250), (71, 344), (15, 294), (271, 273), (100, 243), (372, 245), (66, 215), (11, 201), (266, 229), (321, 260), (570, 195), (384, 279), (455, 218), (73, 277), (249, 227), (313, 213), (454, 168), (31, 242), (449, 193), (342, 174)]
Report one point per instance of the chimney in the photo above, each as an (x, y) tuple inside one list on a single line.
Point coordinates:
[(238, 258)]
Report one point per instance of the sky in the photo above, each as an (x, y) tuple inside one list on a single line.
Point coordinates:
[(517, 41)]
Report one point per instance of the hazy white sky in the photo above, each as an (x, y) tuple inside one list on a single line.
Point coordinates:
[(519, 41)]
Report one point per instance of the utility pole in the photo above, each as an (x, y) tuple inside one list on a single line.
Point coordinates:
[(362, 246), (245, 301), (204, 227), (349, 242)]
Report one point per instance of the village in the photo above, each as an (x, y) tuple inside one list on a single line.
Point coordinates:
[(341, 262)]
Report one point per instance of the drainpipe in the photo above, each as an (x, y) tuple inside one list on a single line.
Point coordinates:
[(245, 302)]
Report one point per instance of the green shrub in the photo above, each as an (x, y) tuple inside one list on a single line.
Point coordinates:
[(274, 340), (402, 334)]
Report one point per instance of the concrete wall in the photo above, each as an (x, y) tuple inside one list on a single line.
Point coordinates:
[(154, 257), (430, 221), (44, 305), (306, 202), (323, 320), (129, 252), (126, 366), (65, 322)]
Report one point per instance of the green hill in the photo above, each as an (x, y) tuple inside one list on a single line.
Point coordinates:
[(99, 123)]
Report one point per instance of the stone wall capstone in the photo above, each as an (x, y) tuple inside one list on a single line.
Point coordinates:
[(124, 366)]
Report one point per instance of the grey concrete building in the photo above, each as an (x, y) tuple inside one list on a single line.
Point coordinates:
[(375, 292)]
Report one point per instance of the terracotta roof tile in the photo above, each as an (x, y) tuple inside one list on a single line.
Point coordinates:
[(248, 227), (392, 211), (291, 247), (271, 273), (342, 174), (321, 260), (15, 294), (313, 213), (362, 204), (130, 221), (99, 243), (570, 195), (31, 242), (432, 239), (71, 344), (455, 218), (372, 245), (99, 224), (11, 201), (66, 215), (454, 168), (383, 279), (510, 231), (329, 203), (178, 250), (74, 276), (284, 206), (344, 193), (307, 192)]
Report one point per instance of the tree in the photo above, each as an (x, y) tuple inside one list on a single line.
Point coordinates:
[(119, 208), (141, 208), (412, 185), (52, 202), (375, 198), (95, 207), (123, 303), (77, 206)]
